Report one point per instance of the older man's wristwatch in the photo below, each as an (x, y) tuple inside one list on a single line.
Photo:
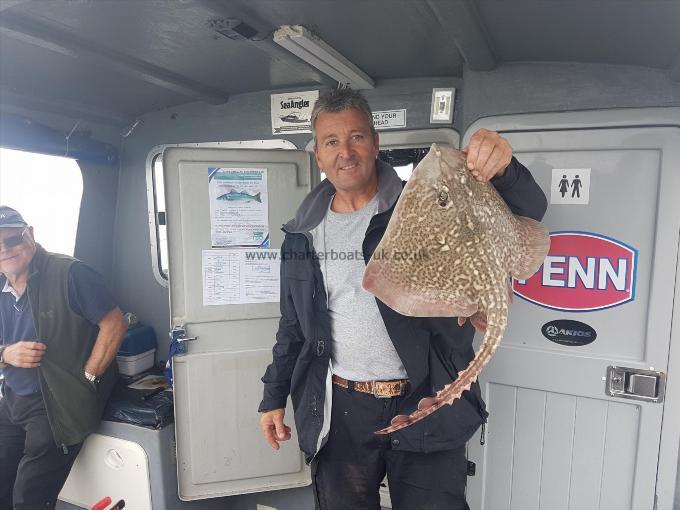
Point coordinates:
[(2, 351), (92, 378)]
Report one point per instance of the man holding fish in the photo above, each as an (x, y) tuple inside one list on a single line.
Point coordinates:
[(337, 344)]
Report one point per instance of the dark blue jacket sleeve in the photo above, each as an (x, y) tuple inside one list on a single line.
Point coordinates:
[(289, 341), (520, 191)]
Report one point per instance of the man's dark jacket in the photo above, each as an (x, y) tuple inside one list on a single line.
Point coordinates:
[(74, 406), (433, 350)]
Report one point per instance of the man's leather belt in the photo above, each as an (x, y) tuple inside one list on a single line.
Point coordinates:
[(379, 389)]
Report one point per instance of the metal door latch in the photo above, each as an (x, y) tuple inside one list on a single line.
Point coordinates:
[(179, 338), (632, 383)]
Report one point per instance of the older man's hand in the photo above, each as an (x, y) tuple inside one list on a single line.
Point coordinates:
[(488, 154), (24, 354)]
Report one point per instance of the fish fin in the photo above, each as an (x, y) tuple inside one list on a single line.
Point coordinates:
[(426, 403), (535, 245), (399, 419), (478, 321), (409, 303)]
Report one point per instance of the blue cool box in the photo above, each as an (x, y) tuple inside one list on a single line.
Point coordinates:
[(138, 340)]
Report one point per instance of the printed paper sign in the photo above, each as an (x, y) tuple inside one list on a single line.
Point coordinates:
[(389, 119), (570, 186), (239, 276), (582, 272), (292, 112), (239, 212)]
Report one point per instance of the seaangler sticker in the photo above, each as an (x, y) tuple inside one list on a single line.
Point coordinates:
[(582, 272), (568, 332)]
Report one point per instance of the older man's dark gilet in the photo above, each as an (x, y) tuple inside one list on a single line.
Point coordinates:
[(47, 412)]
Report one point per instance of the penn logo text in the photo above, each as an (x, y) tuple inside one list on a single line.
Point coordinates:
[(583, 271)]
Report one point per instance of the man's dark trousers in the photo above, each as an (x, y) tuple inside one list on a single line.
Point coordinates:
[(347, 472), (32, 468)]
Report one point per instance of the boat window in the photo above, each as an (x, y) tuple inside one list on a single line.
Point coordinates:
[(403, 160), (160, 244), (47, 191)]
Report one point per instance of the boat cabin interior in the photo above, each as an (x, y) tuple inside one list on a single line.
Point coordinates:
[(125, 107)]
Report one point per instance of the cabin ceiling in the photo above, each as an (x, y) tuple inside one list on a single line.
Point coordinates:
[(111, 61)]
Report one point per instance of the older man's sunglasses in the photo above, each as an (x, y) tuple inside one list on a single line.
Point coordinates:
[(12, 241)]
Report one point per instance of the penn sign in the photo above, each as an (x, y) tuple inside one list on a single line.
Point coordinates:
[(582, 272)]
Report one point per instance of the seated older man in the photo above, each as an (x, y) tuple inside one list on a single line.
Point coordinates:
[(60, 330)]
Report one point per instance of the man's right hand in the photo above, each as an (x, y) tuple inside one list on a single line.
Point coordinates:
[(24, 354), (273, 428)]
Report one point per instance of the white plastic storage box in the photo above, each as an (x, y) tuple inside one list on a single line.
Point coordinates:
[(136, 363), (137, 352)]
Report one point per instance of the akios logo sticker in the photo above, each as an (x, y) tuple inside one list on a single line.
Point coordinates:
[(582, 272), (569, 333)]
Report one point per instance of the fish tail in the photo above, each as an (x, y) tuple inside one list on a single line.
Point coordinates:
[(497, 321), (257, 197)]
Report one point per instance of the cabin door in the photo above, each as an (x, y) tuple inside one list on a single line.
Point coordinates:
[(228, 301), (576, 389)]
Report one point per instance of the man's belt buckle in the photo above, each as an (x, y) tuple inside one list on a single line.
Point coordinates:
[(386, 389)]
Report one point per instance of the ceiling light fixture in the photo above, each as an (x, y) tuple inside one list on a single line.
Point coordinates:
[(310, 48)]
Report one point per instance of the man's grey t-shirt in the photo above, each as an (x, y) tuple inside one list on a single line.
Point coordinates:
[(362, 349)]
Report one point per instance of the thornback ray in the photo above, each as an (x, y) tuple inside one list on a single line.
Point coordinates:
[(449, 250)]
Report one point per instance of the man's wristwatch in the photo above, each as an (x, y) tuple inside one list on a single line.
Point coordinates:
[(94, 380), (2, 351)]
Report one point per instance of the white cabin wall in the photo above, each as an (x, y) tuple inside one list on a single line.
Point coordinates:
[(94, 241), (553, 87)]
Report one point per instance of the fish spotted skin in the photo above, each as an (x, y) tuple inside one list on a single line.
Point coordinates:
[(449, 251)]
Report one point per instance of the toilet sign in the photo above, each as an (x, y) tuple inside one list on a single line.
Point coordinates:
[(582, 272), (570, 186)]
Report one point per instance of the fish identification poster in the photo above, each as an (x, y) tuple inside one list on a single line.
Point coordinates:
[(239, 207)]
